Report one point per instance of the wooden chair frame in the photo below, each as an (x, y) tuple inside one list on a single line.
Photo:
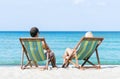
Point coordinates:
[(29, 63), (76, 64)]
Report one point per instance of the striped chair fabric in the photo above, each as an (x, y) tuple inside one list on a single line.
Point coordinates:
[(34, 49), (86, 48)]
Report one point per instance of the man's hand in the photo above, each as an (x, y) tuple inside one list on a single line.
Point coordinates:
[(48, 50)]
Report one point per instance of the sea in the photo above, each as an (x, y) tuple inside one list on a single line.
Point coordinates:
[(58, 41)]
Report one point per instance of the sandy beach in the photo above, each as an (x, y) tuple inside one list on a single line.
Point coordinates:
[(106, 72)]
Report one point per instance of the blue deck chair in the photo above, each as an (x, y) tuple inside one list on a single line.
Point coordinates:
[(32, 48), (84, 50)]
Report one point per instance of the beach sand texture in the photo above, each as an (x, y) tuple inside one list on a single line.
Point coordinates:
[(106, 72)]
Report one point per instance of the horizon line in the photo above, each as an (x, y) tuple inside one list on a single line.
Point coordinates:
[(59, 31)]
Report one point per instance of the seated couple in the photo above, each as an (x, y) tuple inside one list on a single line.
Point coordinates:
[(34, 32)]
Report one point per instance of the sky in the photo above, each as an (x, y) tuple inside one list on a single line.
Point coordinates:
[(60, 15)]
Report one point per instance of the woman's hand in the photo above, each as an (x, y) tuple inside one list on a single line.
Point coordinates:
[(74, 50)]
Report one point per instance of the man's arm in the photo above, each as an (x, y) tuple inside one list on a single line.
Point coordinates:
[(45, 46)]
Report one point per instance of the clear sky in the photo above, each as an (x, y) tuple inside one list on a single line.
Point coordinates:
[(60, 15)]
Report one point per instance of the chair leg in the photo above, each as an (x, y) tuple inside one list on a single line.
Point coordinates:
[(22, 60), (28, 63), (65, 64), (47, 62), (92, 64), (35, 63), (85, 62), (75, 64), (98, 59)]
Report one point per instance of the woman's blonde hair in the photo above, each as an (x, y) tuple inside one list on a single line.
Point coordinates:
[(88, 34)]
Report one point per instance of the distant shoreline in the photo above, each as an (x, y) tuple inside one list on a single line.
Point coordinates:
[(61, 31)]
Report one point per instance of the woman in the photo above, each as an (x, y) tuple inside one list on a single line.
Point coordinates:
[(69, 51)]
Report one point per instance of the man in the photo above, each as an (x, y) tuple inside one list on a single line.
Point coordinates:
[(34, 32)]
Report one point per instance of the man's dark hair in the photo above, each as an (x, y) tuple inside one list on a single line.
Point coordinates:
[(34, 31)]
